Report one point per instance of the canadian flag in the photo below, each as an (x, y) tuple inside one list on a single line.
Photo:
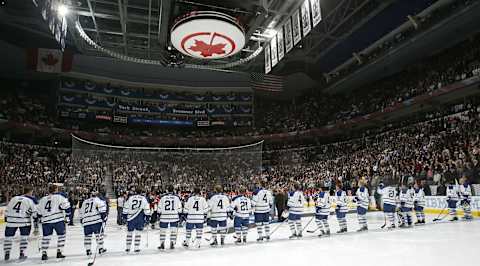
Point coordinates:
[(49, 60)]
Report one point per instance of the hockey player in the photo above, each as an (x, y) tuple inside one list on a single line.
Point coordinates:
[(389, 198), (341, 207), (322, 211), (18, 215), (406, 206), (452, 199), (93, 214), (136, 212), (219, 206), (53, 210), (419, 203), (295, 205), (243, 208), (465, 193), (362, 198), (169, 209), (262, 202), (195, 209)]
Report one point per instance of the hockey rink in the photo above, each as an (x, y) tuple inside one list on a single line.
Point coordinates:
[(442, 243)]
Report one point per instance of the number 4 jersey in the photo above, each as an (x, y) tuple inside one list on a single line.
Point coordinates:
[(219, 206), (262, 201), (20, 211), (52, 208), (196, 208)]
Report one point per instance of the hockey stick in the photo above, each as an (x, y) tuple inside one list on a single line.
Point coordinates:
[(309, 222), (438, 217), (385, 221), (148, 229), (278, 227), (96, 249)]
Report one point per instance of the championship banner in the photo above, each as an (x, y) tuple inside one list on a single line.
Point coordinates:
[(306, 22), (297, 36), (287, 28), (273, 47), (316, 12), (281, 45), (268, 65)]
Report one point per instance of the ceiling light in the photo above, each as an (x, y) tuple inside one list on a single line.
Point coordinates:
[(63, 10)]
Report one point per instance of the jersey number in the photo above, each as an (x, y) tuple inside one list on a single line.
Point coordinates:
[(17, 207), (243, 205), (88, 207), (220, 204), (265, 198), (391, 194), (48, 206), (195, 205), (169, 206), (136, 204)]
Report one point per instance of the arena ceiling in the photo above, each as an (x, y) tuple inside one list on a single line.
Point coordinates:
[(141, 28)]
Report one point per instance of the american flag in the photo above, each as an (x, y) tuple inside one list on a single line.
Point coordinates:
[(266, 82)]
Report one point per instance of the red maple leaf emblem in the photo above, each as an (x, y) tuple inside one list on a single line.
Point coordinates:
[(50, 60), (208, 50)]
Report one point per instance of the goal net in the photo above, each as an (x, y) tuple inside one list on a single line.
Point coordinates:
[(120, 168)]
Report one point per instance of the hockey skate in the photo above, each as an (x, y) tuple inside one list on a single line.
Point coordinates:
[(22, 256), (244, 239), (162, 246), (102, 251), (172, 245), (362, 229), (60, 255), (89, 253), (7, 256), (238, 241), (214, 243), (44, 256), (293, 236), (455, 218)]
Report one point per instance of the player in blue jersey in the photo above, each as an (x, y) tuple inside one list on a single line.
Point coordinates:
[(136, 212), (465, 193), (243, 208), (93, 216), (295, 205), (169, 209), (419, 203), (53, 209), (362, 198), (195, 209), (18, 215), (322, 211), (341, 207), (219, 206), (262, 202)]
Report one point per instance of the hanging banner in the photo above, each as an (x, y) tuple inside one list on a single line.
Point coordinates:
[(297, 36), (287, 28), (306, 22), (273, 48), (268, 65), (281, 45), (316, 12)]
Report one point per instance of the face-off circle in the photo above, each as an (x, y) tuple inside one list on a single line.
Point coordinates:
[(208, 35)]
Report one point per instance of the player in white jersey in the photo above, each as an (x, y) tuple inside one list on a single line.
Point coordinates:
[(322, 211), (362, 198), (243, 208), (262, 202), (219, 205), (389, 198), (452, 199), (195, 209), (53, 209), (406, 206), (419, 203), (295, 205), (18, 216), (465, 193), (93, 215), (136, 212), (169, 209), (341, 207)]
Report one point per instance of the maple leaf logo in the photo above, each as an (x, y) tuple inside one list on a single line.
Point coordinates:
[(208, 50), (50, 60)]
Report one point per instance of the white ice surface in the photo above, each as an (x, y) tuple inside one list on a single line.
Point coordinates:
[(439, 244)]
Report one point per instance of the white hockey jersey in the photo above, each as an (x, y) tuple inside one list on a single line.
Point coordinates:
[(242, 206), (296, 202), (20, 211), (196, 208), (136, 205), (323, 203), (465, 192), (262, 201), (452, 192), (52, 208), (389, 195), (419, 197), (169, 208), (363, 198), (219, 205), (406, 198), (341, 201), (92, 210)]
